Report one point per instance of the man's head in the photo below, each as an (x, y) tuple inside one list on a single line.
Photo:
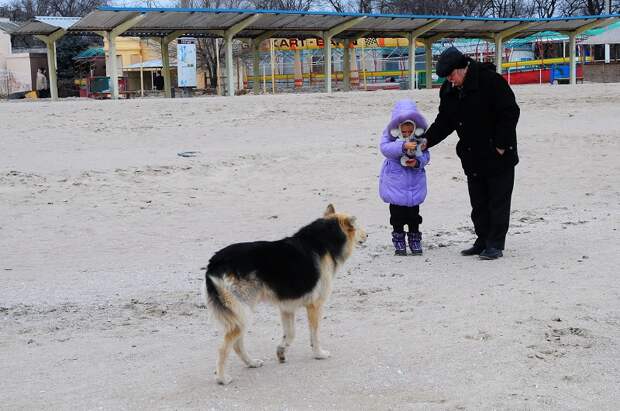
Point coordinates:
[(457, 77), (452, 65)]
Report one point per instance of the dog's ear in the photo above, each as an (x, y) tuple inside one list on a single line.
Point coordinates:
[(349, 224), (329, 211)]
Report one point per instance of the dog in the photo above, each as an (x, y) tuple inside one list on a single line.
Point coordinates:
[(289, 273)]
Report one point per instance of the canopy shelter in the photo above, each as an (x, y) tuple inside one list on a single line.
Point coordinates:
[(607, 37), (48, 30), (257, 25)]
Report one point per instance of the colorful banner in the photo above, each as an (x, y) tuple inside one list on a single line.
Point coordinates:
[(317, 43)]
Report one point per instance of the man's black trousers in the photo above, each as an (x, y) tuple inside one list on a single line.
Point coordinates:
[(490, 207)]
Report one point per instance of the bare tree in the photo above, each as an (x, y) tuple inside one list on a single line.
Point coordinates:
[(356, 6), (510, 8), (302, 5), (586, 7), (545, 8), (437, 7), (20, 10), (570, 7), (593, 7)]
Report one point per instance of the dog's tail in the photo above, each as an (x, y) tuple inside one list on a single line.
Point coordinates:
[(223, 305)]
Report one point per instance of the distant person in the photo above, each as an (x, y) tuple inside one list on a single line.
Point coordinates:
[(478, 103), (41, 85), (402, 183), (159, 81), (47, 88)]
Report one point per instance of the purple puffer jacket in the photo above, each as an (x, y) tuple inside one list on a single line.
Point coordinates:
[(404, 186)]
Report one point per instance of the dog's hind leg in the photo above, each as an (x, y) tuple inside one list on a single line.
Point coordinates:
[(288, 327), (230, 338), (314, 315), (242, 353)]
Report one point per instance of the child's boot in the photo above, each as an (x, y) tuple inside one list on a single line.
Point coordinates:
[(398, 239), (415, 243)]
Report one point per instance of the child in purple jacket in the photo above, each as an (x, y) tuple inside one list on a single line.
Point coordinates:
[(402, 182)]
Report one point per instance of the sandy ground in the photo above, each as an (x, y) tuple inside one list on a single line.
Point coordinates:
[(104, 229)]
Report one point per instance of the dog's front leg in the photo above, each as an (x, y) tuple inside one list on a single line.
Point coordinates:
[(314, 315), (288, 330)]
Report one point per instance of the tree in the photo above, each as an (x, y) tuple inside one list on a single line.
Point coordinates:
[(545, 8), (302, 5), (510, 8), (21, 10)]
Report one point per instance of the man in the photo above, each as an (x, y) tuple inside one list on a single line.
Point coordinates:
[(41, 85), (478, 103), (159, 81)]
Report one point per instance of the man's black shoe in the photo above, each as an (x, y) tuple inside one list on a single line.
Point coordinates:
[(491, 253), (475, 250)]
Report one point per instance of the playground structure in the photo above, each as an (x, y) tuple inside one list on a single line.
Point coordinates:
[(261, 25), (382, 63)]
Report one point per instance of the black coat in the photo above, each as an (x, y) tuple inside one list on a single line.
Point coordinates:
[(484, 114)]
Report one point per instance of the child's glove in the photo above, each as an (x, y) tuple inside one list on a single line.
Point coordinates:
[(413, 154)]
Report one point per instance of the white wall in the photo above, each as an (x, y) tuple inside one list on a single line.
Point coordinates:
[(5, 48), (19, 67)]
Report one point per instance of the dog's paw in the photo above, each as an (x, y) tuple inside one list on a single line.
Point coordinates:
[(281, 353), (223, 380), (255, 363), (321, 354)]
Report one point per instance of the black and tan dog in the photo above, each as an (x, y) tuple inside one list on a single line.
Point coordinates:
[(293, 272)]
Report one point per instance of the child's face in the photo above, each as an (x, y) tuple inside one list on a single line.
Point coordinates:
[(407, 129)]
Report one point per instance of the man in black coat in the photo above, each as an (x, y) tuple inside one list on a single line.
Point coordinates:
[(478, 103)]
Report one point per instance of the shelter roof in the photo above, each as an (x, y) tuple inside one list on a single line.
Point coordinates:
[(8, 26), (607, 37), (201, 22)]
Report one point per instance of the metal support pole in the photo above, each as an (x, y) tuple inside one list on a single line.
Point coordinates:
[(411, 61), (499, 50), (607, 48), (346, 66), (327, 60), (51, 64), (165, 61), (256, 65), (428, 48), (113, 67), (272, 57), (141, 74), (230, 80), (572, 41)]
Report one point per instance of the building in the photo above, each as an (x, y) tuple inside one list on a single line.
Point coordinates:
[(20, 58)]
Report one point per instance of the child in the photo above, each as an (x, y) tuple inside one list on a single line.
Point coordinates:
[(403, 185)]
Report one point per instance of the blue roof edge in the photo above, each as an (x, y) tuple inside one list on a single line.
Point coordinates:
[(331, 13)]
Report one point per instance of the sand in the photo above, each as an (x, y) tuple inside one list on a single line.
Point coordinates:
[(104, 229)]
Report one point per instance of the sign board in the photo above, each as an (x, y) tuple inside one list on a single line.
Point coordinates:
[(186, 62)]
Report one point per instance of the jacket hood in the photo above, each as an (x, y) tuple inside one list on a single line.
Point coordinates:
[(405, 110)]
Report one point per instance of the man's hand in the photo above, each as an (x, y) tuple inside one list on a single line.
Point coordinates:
[(410, 145), (500, 151), (411, 163)]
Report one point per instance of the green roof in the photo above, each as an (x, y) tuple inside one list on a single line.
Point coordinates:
[(89, 53)]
